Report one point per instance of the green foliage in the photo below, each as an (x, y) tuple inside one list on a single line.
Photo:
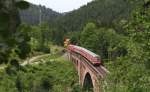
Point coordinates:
[(22, 4), (31, 79), (4, 20), (105, 13), (41, 37), (19, 84), (122, 42), (130, 71), (89, 35), (103, 41), (36, 14), (45, 34), (23, 39), (13, 42), (74, 37), (127, 53)]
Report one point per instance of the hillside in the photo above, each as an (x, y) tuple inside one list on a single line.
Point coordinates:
[(35, 13), (59, 76), (103, 12)]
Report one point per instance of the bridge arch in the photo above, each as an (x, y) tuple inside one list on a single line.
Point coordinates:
[(88, 83)]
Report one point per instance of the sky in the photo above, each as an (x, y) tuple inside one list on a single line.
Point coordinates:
[(61, 5)]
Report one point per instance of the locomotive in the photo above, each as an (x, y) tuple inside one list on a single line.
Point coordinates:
[(90, 56)]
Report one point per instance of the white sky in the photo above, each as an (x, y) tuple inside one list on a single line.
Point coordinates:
[(61, 5)]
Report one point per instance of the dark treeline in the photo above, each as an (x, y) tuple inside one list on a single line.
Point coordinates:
[(36, 14)]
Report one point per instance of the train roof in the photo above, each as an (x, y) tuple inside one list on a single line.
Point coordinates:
[(88, 51)]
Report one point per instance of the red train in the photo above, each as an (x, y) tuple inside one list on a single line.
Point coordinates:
[(90, 56)]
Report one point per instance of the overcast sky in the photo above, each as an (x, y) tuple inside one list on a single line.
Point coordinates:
[(61, 5)]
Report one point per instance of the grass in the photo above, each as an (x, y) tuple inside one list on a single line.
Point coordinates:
[(55, 75), (56, 49)]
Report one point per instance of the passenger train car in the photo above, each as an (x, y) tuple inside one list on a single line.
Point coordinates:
[(90, 56)]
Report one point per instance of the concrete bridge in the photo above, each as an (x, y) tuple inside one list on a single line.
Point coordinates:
[(90, 75)]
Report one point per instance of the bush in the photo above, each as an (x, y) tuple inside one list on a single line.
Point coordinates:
[(15, 63), (46, 50), (11, 70), (46, 83)]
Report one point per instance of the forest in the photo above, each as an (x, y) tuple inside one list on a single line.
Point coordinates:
[(36, 14), (117, 30)]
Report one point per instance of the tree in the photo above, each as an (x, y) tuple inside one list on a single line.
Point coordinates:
[(89, 37), (9, 21)]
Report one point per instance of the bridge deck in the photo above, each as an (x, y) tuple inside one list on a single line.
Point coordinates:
[(98, 70)]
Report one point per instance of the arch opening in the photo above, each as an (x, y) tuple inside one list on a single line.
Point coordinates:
[(88, 84)]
